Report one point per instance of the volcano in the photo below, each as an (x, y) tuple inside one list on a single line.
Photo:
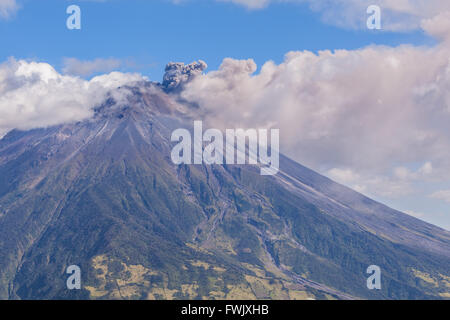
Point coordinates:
[(104, 194)]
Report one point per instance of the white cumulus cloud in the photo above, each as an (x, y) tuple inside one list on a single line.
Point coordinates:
[(35, 95)]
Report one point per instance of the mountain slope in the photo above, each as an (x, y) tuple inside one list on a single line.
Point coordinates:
[(103, 194)]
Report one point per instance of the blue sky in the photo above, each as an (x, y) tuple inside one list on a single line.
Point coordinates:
[(148, 34), (143, 35)]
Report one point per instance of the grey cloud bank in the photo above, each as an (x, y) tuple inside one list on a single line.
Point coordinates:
[(361, 116)]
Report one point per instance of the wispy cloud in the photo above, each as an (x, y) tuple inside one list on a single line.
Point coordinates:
[(397, 15), (84, 68), (441, 195), (251, 4), (8, 8)]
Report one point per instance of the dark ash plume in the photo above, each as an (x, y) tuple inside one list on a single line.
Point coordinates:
[(177, 74)]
